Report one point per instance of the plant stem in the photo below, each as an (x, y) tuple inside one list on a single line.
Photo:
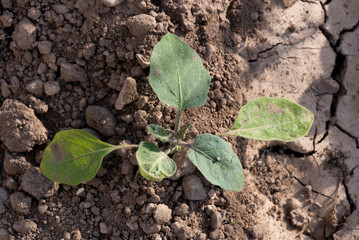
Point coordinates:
[(126, 146), (178, 120), (171, 150)]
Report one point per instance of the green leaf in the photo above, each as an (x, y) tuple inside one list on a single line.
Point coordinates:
[(218, 163), (160, 133), (177, 74), (74, 156), (154, 164), (182, 131), (272, 119)]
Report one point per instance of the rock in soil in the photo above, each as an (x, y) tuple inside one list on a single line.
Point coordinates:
[(141, 24), (140, 119), (128, 93), (4, 195), (216, 234), (292, 204), (42, 208), (7, 18), (25, 34), (112, 3), (36, 88), (216, 220), (73, 73), (4, 235), (182, 210), (52, 88), (185, 232), (104, 228), (149, 228), (184, 165), (20, 202), (15, 164), (44, 47), (298, 217), (193, 188), (163, 214), (20, 129), (10, 183), (24, 226), (101, 119), (34, 183)]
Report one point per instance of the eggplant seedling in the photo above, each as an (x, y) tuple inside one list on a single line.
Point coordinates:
[(179, 79)]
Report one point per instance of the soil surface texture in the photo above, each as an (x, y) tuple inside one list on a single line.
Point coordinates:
[(68, 64)]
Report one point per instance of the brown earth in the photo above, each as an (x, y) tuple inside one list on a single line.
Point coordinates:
[(85, 64)]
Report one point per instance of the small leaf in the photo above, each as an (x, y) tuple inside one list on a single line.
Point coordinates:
[(218, 163), (182, 131), (272, 119), (177, 74), (154, 164), (74, 156), (160, 133)]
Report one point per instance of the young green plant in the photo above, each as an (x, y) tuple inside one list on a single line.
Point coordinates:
[(180, 80)]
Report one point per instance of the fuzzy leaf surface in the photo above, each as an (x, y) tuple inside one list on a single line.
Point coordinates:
[(218, 163), (160, 133), (74, 156), (153, 163), (177, 74), (272, 119)]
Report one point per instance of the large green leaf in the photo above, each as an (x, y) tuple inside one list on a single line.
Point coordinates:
[(216, 160), (177, 74), (160, 133), (272, 119), (154, 164), (74, 156)]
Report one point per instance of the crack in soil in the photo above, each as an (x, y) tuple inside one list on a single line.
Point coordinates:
[(350, 200), (280, 44), (289, 152), (338, 74)]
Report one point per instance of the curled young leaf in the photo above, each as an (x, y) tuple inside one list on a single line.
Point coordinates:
[(153, 163), (177, 74), (218, 163), (272, 119), (160, 133), (74, 156)]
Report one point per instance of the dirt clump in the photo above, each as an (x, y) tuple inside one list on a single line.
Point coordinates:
[(101, 119), (20, 129), (38, 186)]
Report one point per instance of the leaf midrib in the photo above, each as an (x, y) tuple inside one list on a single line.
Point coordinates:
[(178, 77)]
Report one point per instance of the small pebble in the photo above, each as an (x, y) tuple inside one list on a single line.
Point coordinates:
[(52, 88), (25, 34), (33, 13), (140, 25), (104, 228), (44, 47), (20, 202), (112, 3), (36, 87), (163, 214), (79, 191), (42, 208), (7, 18), (24, 226)]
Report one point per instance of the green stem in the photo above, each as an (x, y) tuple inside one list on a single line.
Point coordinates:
[(171, 150), (126, 146), (178, 120)]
